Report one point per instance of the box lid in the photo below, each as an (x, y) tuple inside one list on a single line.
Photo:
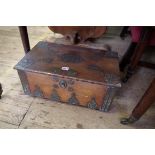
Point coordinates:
[(70, 61)]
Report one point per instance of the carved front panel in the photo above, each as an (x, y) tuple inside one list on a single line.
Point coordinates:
[(67, 90)]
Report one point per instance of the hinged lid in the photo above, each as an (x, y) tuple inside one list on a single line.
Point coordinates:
[(79, 63)]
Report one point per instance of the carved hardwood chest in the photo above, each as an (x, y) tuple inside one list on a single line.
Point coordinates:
[(70, 74)]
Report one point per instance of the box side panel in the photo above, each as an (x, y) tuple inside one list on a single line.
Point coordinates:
[(24, 82), (67, 90)]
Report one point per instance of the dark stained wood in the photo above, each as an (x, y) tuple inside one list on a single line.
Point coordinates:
[(25, 38), (1, 90), (124, 32), (72, 74), (142, 44), (126, 59), (145, 102), (146, 64), (87, 64), (79, 34), (138, 52)]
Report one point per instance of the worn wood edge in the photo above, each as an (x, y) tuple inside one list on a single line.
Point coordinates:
[(80, 46), (68, 77)]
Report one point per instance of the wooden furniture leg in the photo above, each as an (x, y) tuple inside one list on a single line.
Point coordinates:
[(145, 102), (141, 45), (1, 90), (124, 32), (25, 38), (146, 64), (127, 56)]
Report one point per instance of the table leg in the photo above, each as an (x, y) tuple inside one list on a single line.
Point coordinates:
[(25, 38), (138, 52), (1, 90), (127, 56), (124, 32), (145, 102)]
